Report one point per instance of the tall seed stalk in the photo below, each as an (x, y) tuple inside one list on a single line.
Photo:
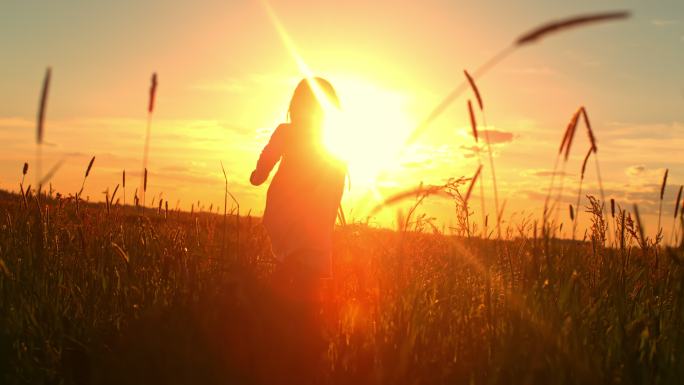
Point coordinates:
[(529, 37), (473, 124), (40, 126), (123, 182), (150, 110), (225, 204), (225, 211), (480, 104), (662, 195), (673, 233), (78, 195)]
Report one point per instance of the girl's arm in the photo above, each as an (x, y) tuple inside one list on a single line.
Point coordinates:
[(270, 155)]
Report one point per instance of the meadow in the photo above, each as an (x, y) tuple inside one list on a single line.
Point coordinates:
[(110, 293), (100, 293)]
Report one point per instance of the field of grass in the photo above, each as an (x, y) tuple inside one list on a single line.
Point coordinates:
[(97, 294)]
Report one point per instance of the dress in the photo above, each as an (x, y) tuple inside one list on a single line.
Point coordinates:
[(303, 198)]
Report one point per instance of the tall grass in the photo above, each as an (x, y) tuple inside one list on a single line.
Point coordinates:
[(114, 298), (146, 150), (95, 295), (40, 125)]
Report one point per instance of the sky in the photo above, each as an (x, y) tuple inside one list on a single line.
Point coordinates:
[(226, 76)]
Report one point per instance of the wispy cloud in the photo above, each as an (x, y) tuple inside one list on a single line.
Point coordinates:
[(496, 136), (15, 123), (243, 84), (543, 173), (635, 170), (542, 70), (664, 22)]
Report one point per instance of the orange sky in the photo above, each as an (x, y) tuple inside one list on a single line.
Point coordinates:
[(226, 78)]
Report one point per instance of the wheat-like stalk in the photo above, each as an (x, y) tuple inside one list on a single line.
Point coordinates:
[(40, 126), (662, 195), (150, 110), (123, 182), (225, 210), (571, 22), (579, 191), (673, 235), (642, 237), (412, 192), (472, 183), (111, 201), (24, 170), (144, 191), (85, 177), (572, 218), (529, 37), (90, 166), (225, 204), (480, 103), (473, 125), (473, 122)]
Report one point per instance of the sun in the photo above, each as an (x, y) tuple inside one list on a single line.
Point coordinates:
[(369, 130)]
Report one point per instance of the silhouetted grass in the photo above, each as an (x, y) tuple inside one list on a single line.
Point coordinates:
[(89, 296)]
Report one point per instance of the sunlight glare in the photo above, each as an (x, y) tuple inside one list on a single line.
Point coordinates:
[(369, 130)]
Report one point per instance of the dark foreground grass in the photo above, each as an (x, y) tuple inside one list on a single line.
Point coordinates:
[(110, 297)]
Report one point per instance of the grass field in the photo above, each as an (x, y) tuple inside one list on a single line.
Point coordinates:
[(97, 294)]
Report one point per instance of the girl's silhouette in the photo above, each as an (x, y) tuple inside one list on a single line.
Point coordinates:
[(305, 193)]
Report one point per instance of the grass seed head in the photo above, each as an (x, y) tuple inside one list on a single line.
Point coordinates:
[(572, 213), (476, 91), (114, 193), (662, 187), (153, 93), (590, 132), (570, 132), (472, 184), (90, 165), (642, 238), (679, 196), (586, 159), (40, 128), (560, 25)]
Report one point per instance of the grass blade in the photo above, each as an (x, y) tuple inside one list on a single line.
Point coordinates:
[(572, 22)]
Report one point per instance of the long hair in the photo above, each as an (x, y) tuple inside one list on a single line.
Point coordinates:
[(305, 106)]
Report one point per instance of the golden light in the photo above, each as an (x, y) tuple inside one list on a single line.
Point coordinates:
[(368, 131)]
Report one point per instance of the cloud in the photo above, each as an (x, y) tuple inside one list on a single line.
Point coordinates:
[(544, 173), (496, 136), (541, 195), (635, 170), (243, 84), (15, 123), (531, 70), (664, 22), (642, 176)]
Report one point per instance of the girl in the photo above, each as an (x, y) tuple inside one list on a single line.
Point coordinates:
[(305, 193)]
